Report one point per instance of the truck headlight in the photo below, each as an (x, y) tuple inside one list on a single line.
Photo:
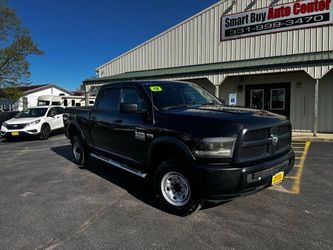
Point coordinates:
[(34, 122), (215, 147)]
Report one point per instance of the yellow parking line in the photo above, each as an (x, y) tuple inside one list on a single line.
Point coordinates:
[(297, 184)]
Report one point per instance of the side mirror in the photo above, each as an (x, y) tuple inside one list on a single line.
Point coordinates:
[(51, 114), (131, 108)]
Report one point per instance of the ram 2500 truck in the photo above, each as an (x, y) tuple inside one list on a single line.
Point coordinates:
[(180, 137)]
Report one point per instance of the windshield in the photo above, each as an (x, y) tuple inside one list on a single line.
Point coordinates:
[(171, 95), (33, 112)]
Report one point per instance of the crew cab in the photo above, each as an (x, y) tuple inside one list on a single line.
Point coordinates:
[(181, 138), (37, 121)]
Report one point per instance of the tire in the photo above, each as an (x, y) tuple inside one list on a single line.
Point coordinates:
[(80, 152), (174, 190), (45, 132)]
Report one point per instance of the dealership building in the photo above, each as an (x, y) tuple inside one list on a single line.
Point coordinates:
[(267, 54)]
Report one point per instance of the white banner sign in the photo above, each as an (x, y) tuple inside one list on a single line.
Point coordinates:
[(284, 17)]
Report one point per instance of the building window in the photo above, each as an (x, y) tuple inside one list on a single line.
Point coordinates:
[(278, 99), (257, 99)]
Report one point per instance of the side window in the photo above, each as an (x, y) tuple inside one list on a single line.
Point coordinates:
[(109, 100), (130, 95), (59, 111), (52, 112)]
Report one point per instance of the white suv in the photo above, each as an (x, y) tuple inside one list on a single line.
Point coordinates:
[(38, 121)]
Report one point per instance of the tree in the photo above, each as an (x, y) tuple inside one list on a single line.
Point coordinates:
[(16, 45)]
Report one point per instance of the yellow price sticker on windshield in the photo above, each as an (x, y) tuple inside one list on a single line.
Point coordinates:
[(156, 88)]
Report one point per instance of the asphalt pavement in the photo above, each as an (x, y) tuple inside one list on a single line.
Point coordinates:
[(47, 202)]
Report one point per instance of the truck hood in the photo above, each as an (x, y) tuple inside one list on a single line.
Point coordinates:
[(218, 120), (234, 114), (22, 120)]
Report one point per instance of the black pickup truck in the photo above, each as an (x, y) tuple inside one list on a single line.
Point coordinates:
[(180, 137)]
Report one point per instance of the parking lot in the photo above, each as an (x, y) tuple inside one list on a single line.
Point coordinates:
[(47, 202)]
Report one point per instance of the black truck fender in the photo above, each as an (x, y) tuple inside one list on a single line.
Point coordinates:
[(174, 146)]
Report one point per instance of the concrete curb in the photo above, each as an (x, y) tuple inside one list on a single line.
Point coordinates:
[(312, 139)]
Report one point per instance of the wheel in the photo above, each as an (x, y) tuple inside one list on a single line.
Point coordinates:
[(174, 190), (45, 132), (81, 154)]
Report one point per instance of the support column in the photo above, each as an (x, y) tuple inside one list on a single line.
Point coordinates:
[(217, 91), (86, 94), (316, 101)]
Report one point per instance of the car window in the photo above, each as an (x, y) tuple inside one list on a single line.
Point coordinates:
[(130, 95), (59, 111), (109, 100), (52, 111)]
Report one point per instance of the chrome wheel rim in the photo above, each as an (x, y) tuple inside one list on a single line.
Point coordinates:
[(77, 151), (175, 189)]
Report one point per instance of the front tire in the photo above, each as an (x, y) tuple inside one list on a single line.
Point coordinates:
[(174, 189), (45, 132), (81, 154)]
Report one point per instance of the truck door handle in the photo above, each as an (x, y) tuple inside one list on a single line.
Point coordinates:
[(118, 121)]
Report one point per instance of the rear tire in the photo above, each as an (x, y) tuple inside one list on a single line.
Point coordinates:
[(45, 132), (81, 154), (174, 189)]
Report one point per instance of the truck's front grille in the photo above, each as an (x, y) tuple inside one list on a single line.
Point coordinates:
[(16, 126), (262, 143)]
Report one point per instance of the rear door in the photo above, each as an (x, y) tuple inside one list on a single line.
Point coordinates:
[(102, 120)]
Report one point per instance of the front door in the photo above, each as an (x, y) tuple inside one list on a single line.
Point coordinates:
[(271, 97)]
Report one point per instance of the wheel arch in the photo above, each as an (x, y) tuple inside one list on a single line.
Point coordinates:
[(74, 130), (164, 148)]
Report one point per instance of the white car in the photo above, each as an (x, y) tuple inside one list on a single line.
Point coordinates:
[(38, 121)]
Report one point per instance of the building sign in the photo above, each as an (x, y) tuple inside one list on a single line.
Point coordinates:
[(232, 99), (295, 15)]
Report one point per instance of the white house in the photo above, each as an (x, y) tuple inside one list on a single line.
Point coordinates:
[(30, 96)]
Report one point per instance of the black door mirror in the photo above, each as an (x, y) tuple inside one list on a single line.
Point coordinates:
[(51, 114), (131, 108)]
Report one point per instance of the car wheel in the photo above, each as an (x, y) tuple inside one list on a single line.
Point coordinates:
[(81, 154), (45, 132), (174, 190)]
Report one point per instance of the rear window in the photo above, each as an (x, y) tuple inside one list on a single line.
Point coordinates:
[(109, 100)]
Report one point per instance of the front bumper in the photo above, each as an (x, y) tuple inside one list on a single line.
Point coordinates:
[(226, 182), (5, 133)]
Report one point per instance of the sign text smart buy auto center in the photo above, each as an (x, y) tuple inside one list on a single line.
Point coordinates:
[(284, 17)]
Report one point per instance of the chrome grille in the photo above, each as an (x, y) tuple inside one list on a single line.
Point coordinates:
[(258, 144)]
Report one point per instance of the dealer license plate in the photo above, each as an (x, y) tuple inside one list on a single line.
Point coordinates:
[(15, 133), (277, 178)]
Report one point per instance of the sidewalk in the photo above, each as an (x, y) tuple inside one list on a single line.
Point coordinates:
[(321, 137)]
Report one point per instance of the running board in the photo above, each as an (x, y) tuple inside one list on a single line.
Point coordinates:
[(119, 165)]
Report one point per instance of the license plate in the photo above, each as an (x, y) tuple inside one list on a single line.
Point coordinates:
[(277, 178), (15, 133)]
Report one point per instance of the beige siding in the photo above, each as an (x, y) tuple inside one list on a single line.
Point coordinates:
[(301, 101), (326, 104), (197, 41)]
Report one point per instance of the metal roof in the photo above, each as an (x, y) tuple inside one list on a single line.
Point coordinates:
[(308, 59)]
